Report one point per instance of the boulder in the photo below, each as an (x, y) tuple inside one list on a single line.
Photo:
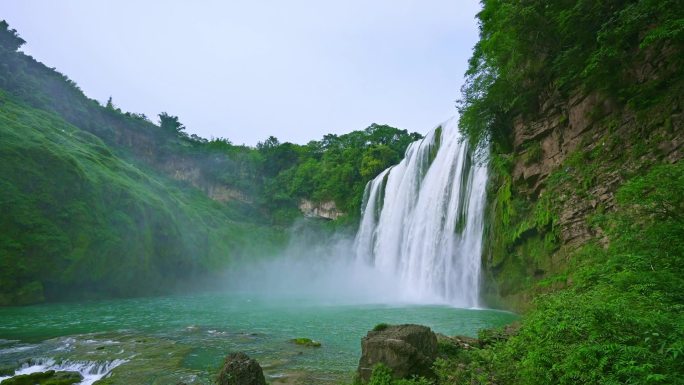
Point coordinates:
[(407, 350), (239, 369), (50, 377)]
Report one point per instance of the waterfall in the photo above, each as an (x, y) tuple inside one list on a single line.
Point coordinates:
[(422, 220)]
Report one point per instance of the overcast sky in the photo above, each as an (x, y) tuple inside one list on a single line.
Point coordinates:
[(247, 69)]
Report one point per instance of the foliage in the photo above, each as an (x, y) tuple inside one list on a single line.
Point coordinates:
[(88, 208), (380, 327), (272, 177), (166, 122), (308, 342), (529, 49), (336, 168), (78, 220), (622, 320), (9, 38), (382, 375)]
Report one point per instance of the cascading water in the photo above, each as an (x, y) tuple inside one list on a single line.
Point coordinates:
[(422, 220)]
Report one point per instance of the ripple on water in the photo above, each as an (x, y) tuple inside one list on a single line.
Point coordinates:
[(186, 338)]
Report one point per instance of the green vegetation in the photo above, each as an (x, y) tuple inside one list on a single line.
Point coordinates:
[(621, 321), (531, 50), (308, 342), (97, 202), (382, 375), (380, 327), (272, 177), (607, 310), (46, 378), (77, 218), (336, 168)]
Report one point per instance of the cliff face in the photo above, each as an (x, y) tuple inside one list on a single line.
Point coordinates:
[(568, 160), (181, 167), (323, 210)]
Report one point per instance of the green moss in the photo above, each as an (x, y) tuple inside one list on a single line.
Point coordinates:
[(434, 147), (45, 378), (308, 342), (532, 153), (380, 327)]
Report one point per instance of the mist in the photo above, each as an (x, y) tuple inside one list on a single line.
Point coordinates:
[(317, 266)]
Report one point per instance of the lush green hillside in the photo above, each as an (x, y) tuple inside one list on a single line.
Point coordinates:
[(267, 181), (79, 221), (100, 202), (581, 104)]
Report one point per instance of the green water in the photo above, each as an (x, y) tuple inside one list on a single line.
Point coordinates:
[(184, 338)]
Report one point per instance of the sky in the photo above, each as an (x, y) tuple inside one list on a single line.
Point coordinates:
[(247, 69)]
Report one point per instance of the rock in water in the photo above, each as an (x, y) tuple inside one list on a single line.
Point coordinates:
[(50, 377), (239, 369), (407, 350)]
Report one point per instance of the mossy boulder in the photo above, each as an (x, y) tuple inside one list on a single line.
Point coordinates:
[(406, 350), (308, 342), (239, 369), (50, 377)]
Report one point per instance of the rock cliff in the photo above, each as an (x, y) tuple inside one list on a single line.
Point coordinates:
[(568, 160)]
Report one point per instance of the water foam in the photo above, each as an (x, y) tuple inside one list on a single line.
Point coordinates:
[(422, 221)]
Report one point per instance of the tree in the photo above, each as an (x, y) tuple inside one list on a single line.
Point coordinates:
[(170, 123), (9, 39), (110, 105)]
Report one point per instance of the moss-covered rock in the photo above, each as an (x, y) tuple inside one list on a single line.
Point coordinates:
[(308, 342), (50, 377)]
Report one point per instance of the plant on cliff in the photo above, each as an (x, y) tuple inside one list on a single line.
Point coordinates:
[(622, 319), (529, 49)]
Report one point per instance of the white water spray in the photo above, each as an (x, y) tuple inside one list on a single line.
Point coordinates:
[(422, 220), (90, 370)]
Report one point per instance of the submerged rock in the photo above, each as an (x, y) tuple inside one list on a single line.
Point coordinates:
[(239, 369), (308, 342), (45, 378), (407, 350)]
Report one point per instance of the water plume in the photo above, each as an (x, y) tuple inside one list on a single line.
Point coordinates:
[(423, 220)]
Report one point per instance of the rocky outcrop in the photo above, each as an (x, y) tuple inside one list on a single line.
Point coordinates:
[(50, 377), (587, 123), (221, 193), (239, 369), (324, 210), (407, 350), (573, 153)]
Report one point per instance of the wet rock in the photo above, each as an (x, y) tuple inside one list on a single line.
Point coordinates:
[(239, 369), (407, 350), (308, 342), (45, 378)]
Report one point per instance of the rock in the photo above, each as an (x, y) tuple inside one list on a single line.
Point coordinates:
[(308, 342), (47, 378), (324, 210), (407, 350), (239, 369)]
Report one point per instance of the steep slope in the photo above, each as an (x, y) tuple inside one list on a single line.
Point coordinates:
[(97, 202), (575, 99), (580, 103), (267, 183), (78, 221)]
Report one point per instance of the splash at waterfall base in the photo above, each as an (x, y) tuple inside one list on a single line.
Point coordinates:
[(419, 239)]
